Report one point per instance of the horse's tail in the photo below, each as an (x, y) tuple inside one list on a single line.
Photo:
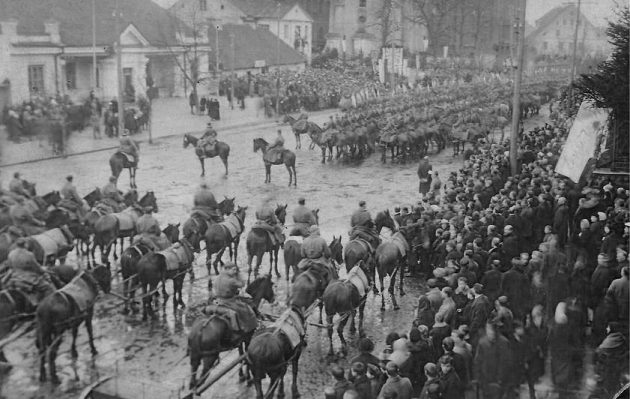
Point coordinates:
[(116, 165), (291, 253)]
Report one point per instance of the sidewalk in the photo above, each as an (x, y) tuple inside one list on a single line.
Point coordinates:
[(171, 116)]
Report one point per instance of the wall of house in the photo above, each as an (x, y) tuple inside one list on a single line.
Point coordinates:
[(288, 32), (216, 11), (558, 38)]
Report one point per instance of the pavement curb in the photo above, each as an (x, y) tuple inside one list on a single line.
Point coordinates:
[(262, 124)]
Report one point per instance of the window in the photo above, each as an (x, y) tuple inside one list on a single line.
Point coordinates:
[(557, 32), (298, 31), (36, 78), (71, 75), (362, 3), (222, 6), (305, 31), (286, 31), (545, 45), (560, 46), (264, 26), (203, 5)]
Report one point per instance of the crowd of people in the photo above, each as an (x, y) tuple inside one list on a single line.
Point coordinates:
[(520, 270)]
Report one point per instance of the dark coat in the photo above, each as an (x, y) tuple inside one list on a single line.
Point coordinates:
[(490, 360), (515, 285)]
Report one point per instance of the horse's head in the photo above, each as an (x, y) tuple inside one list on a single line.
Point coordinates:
[(93, 197), (130, 197), (336, 250), (149, 201), (260, 144), (186, 140), (241, 213), (384, 219), (103, 277), (172, 232), (315, 213), (227, 205), (52, 198), (281, 213), (261, 288)]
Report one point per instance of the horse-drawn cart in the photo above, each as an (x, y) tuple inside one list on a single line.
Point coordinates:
[(119, 387)]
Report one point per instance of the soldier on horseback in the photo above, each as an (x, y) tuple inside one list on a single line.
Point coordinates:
[(303, 218), (17, 186), (274, 152), (129, 148), (316, 255), (22, 218), (206, 206), (266, 219), (149, 233), (71, 199), (209, 139), (26, 274), (111, 196), (362, 226), (226, 291)]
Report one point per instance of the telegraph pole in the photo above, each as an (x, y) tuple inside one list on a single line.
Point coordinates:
[(575, 40), (121, 108), (278, 65), (516, 100), (94, 82), (233, 61), (216, 50)]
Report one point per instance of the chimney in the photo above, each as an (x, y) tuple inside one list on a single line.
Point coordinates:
[(9, 28), (52, 29)]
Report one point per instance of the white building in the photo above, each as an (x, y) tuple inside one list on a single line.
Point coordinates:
[(44, 51)]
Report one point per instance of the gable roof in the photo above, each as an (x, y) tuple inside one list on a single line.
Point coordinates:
[(251, 45), (551, 17), (266, 8), (153, 22)]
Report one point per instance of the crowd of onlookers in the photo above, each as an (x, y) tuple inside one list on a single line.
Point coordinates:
[(523, 273)]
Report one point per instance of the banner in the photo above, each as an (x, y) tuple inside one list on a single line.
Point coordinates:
[(589, 123)]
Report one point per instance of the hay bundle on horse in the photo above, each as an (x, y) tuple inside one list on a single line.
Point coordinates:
[(221, 149), (52, 245)]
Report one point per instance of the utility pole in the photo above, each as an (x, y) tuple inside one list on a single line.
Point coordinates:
[(121, 107), (573, 59), (278, 65), (516, 100), (94, 82), (233, 61), (216, 51)]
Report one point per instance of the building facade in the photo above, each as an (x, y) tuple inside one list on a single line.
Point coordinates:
[(554, 35), (46, 57), (286, 20)]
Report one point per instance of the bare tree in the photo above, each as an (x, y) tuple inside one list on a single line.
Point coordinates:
[(434, 14), (385, 19)]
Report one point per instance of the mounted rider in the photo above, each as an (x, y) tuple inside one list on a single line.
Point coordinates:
[(209, 139), (22, 217), (129, 148), (266, 219), (275, 150), (362, 226), (316, 255), (16, 186), (112, 196), (26, 274), (303, 218), (226, 289), (72, 201), (205, 206), (149, 233)]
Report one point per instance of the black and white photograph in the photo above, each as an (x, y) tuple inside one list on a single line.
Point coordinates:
[(316, 199)]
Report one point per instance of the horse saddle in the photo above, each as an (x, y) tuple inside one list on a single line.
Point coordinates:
[(402, 244), (291, 324), (357, 277), (51, 241), (262, 226), (232, 226), (300, 125), (297, 239), (126, 220), (175, 256), (274, 155), (130, 159), (82, 293), (236, 313)]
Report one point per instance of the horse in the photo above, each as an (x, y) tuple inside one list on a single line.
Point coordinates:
[(390, 257), (68, 308), (221, 149), (271, 350), (258, 243), (8, 235), (222, 235), (51, 245), (293, 248), (308, 285), (209, 336), (299, 126), (359, 249), (287, 158), (129, 265), (155, 267), (344, 297), (197, 225), (108, 227), (119, 161)]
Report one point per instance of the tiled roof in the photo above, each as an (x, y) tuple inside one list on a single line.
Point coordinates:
[(75, 19), (252, 45), (264, 8), (543, 22)]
